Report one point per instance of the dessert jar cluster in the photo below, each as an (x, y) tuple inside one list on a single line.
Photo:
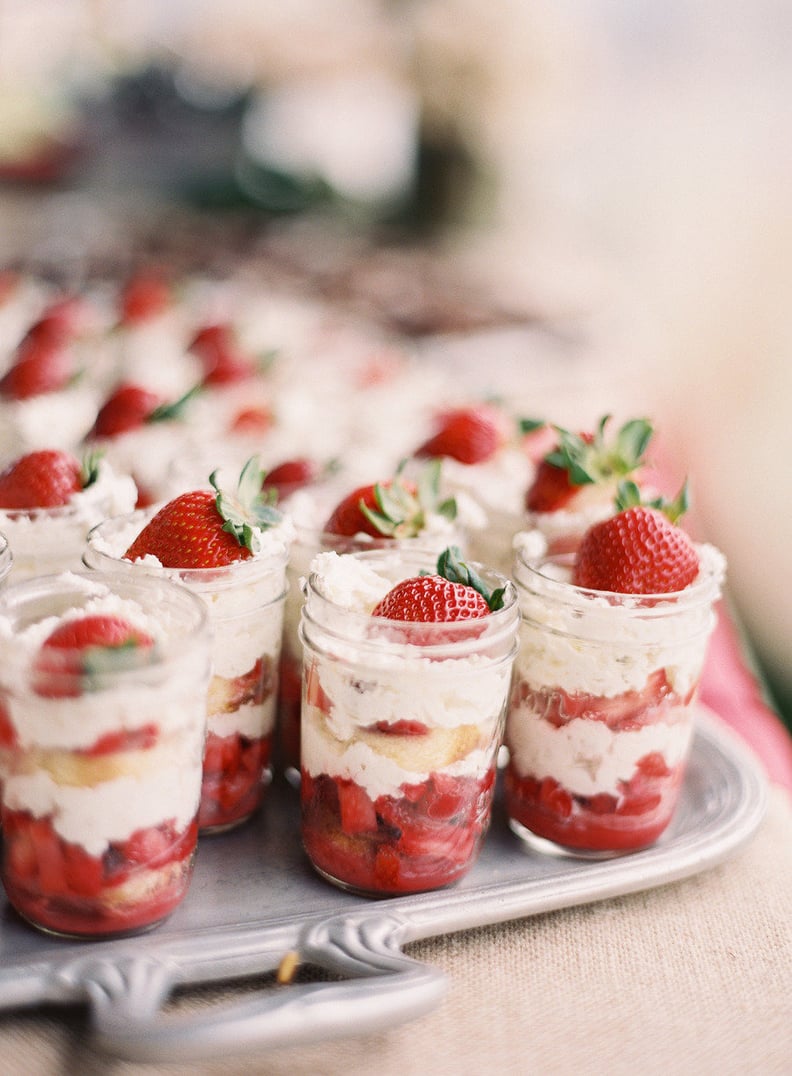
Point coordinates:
[(244, 601), (602, 710), (402, 723), (102, 719)]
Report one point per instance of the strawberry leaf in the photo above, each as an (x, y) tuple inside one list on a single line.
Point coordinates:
[(249, 510), (167, 411), (451, 567), (89, 469)]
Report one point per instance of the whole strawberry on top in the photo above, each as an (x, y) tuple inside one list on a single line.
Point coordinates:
[(209, 528), (395, 508), (42, 364), (582, 464), (638, 550), (467, 434), (74, 656), (46, 478), (131, 406), (222, 358), (454, 592)]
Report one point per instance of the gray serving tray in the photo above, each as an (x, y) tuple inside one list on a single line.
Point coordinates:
[(254, 898)]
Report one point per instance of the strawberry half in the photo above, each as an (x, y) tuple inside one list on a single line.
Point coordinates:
[(587, 458), (47, 478), (202, 529), (455, 592), (79, 651), (467, 434), (639, 550), (396, 508)]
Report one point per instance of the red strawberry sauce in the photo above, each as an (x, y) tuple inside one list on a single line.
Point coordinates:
[(632, 818), (135, 884)]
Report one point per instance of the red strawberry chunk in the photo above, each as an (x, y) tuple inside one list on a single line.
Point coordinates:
[(357, 810)]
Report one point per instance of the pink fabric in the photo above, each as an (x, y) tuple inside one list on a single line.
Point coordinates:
[(730, 689)]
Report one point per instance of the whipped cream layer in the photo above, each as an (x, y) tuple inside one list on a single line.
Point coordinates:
[(95, 799), (586, 756), (50, 420)]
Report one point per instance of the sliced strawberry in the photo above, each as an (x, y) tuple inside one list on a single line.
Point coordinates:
[(201, 529), (468, 434), (142, 739), (403, 727), (47, 478)]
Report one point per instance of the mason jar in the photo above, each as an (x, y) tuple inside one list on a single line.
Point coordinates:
[(245, 602), (603, 706), (401, 727), (100, 752)]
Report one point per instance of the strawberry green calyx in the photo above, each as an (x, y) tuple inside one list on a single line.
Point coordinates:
[(89, 468), (530, 425), (403, 508), (248, 511), (596, 459), (629, 495), (451, 567), (175, 410)]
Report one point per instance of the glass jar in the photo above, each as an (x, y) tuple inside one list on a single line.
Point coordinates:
[(307, 543), (245, 602), (100, 759), (602, 708), (49, 540), (401, 727), (6, 559)]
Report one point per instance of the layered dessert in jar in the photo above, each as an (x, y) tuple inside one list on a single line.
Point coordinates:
[(405, 685), (576, 481), (398, 511), (49, 501), (102, 717), (229, 546), (612, 644)]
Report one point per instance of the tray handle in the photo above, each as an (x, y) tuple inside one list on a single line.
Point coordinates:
[(384, 987)]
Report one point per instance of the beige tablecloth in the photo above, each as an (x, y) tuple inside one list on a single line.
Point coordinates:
[(691, 977)]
